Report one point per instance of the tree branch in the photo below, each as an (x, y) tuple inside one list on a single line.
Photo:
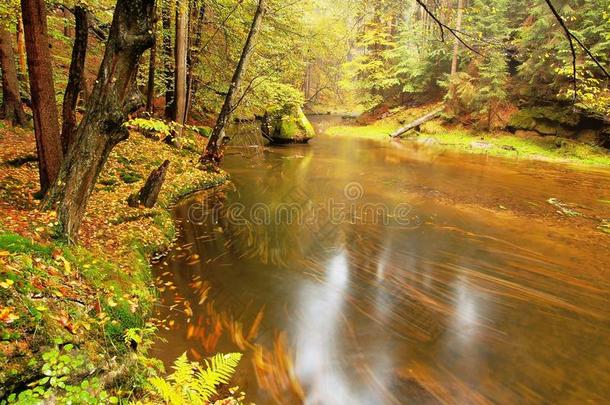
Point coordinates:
[(444, 27), (572, 50)]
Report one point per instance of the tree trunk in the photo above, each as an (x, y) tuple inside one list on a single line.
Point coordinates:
[(456, 43), (152, 67), (180, 71), (147, 196), (42, 89), (416, 123), (21, 49), (168, 55), (102, 127), (191, 87), (11, 99), (67, 28), (76, 77), (213, 152)]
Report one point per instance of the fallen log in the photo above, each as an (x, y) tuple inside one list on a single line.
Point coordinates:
[(148, 194), (414, 124)]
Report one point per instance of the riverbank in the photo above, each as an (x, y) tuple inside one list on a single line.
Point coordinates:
[(65, 311), (438, 134)]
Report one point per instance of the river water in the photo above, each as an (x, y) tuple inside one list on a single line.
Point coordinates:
[(353, 271)]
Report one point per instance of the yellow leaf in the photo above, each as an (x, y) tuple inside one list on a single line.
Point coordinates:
[(6, 283), (67, 265), (7, 315)]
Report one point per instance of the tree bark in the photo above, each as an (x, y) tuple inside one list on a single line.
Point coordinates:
[(67, 28), (21, 49), (180, 71), (148, 195), (456, 42), (152, 68), (42, 89), (168, 54), (213, 153), (11, 99), (76, 77), (416, 123), (102, 126), (191, 87)]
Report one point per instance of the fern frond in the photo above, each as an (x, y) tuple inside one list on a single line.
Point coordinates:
[(166, 391), (192, 384), (183, 371), (219, 370)]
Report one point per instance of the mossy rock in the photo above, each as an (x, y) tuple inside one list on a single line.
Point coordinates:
[(544, 120), (589, 137), (290, 127)]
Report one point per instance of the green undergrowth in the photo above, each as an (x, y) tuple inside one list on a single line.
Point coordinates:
[(504, 144), (54, 294), (69, 308)]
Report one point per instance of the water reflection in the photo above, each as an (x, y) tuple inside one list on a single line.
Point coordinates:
[(318, 334), (471, 305)]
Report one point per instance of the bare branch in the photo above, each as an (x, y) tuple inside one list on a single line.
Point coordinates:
[(572, 50), (570, 36), (444, 27)]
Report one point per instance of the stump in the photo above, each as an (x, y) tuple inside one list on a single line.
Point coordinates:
[(148, 194)]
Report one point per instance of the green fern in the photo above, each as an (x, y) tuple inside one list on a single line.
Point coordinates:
[(192, 384)]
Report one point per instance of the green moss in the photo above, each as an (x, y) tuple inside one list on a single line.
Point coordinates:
[(53, 290), (204, 131), (503, 144), (304, 124), (288, 128), (537, 148), (292, 125), (122, 318), (130, 177), (531, 118), (522, 120), (432, 127), (14, 243)]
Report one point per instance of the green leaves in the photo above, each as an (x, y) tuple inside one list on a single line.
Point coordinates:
[(190, 383), (61, 365)]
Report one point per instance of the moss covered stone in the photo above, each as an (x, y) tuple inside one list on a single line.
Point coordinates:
[(291, 126), (544, 120)]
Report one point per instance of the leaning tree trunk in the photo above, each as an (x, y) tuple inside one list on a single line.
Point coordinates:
[(102, 126), (42, 89), (213, 152), (76, 77), (11, 99)]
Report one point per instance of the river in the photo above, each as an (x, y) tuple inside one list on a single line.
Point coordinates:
[(354, 271)]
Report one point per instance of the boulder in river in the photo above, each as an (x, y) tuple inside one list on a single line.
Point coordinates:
[(288, 126)]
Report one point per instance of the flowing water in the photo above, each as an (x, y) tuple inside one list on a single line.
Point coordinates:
[(352, 271)]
